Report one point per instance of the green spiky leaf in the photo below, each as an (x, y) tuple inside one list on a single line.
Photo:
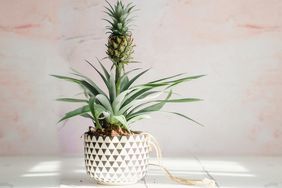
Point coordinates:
[(71, 100), (76, 112)]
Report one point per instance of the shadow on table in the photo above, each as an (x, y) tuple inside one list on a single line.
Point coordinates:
[(160, 177), (154, 177)]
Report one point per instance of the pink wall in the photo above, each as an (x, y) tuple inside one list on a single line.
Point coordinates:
[(236, 43)]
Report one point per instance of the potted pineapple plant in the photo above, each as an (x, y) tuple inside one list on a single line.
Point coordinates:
[(114, 153)]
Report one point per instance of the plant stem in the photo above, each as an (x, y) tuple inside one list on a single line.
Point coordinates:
[(97, 123), (118, 76)]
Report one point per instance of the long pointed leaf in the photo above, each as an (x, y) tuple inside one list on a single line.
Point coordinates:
[(122, 120), (106, 81), (87, 115), (135, 78), (186, 117), (151, 108), (117, 103), (133, 95), (163, 101), (138, 103), (147, 94), (167, 78), (110, 5), (71, 100), (93, 112), (137, 118), (104, 69), (94, 89), (123, 83), (93, 84), (181, 80), (188, 78), (179, 100), (130, 71), (104, 102), (76, 112)]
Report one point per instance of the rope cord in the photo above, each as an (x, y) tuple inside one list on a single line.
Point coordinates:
[(153, 143)]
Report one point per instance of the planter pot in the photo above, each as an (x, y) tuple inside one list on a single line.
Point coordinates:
[(117, 160)]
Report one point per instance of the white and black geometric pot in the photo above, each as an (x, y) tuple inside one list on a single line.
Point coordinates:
[(116, 160)]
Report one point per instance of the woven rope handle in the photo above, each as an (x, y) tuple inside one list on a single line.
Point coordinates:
[(154, 143)]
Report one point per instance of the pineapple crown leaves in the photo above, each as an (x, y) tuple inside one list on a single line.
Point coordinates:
[(133, 103), (124, 102), (120, 18)]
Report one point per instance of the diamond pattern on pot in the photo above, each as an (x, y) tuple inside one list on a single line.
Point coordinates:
[(116, 160)]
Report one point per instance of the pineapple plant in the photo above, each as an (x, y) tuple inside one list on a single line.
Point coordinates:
[(124, 103), (113, 111)]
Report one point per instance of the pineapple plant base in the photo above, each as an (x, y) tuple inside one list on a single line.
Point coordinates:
[(111, 130), (116, 160)]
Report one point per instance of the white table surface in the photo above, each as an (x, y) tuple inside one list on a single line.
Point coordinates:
[(66, 172)]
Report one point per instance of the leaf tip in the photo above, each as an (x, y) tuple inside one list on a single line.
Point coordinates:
[(60, 120)]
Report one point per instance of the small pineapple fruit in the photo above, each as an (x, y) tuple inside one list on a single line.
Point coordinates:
[(120, 42)]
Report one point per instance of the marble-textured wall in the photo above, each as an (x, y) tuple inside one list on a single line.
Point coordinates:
[(238, 44)]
